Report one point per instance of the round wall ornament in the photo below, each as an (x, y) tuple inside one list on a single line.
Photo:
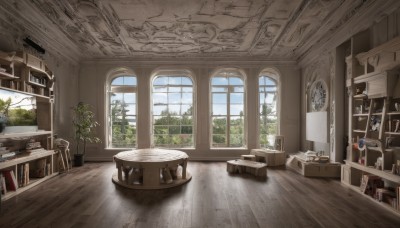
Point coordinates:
[(319, 96)]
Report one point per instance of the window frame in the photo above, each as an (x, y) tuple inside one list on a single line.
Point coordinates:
[(116, 73), (243, 77), (275, 76), (173, 73)]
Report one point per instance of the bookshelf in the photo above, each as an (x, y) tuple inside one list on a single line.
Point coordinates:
[(27, 157), (372, 165)]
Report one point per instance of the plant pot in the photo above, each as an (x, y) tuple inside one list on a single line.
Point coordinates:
[(79, 159)]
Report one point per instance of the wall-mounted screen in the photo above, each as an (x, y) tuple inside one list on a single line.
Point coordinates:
[(17, 112)]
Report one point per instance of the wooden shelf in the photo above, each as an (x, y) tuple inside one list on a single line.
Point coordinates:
[(392, 133), (393, 113), (23, 92), (360, 114), (386, 174), (25, 134), (27, 74), (383, 204), (359, 131), (25, 157), (32, 183), (5, 75)]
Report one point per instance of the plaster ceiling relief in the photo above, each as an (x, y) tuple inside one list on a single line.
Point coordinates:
[(169, 28)]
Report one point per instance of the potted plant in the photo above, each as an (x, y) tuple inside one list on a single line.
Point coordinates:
[(84, 125)]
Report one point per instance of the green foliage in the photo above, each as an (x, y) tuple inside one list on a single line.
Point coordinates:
[(123, 134), (84, 125), (21, 117), (172, 130)]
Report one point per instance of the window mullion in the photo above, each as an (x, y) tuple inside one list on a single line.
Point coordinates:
[(228, 118)]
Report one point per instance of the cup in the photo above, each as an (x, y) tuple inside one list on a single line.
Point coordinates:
[(397, 106)]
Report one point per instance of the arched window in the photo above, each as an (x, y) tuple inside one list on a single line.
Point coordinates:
[(173, 114), (122, 112), (228, 109), (268, 108)]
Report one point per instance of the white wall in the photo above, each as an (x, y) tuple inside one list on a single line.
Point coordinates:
[(92, 79)]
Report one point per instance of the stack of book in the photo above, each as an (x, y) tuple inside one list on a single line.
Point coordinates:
[(370, 183), (8, 181)]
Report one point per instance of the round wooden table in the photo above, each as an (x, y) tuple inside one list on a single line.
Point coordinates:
[(151, 168)]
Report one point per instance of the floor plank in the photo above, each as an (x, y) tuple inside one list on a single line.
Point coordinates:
[(86, 197)]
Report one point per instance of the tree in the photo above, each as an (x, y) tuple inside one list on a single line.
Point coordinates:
[(84, 125)]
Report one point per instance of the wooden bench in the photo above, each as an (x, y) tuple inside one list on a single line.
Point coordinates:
[(258, 169), (271, 157)]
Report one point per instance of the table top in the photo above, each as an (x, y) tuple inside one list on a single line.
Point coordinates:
[(247, 163), (150, 155)]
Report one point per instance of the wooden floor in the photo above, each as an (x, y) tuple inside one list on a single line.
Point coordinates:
[(86, 197)]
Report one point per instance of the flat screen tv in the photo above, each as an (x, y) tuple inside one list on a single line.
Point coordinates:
[(17, 112)]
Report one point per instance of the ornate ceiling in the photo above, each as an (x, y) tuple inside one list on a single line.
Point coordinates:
[(168, 28)]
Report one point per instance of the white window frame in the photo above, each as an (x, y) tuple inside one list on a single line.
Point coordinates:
[(116, 73), (275, 75), (174, 73), (241, 75)]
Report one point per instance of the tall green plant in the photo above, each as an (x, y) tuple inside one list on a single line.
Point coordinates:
[(84, 125)]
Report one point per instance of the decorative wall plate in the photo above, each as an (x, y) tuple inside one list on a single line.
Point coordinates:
[(319, 96)]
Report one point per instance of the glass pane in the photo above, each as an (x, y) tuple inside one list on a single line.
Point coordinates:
[(160, 98), (160, 140), (236, 130), (187, 98), (187, 120), (160, 130), (174, 130), (174, 98), (159, 89), (261, 81), (219, 140), (270, 89), (269, 81), (117, 81), (219, 125), (174, 89), (238, 89), (130, 98), (187, 129), (219, 110), (219, 81), (174, 80), (175, 120), (130, 109), (235, 81), (186, 110), (236, 120), (270, 98), (116, 97), (187, 81), (219, 98), (219, 89), (161, 81), (130, 81), (160, 120), (237, 109), (160, 110), (237, 98), (236, 140), (174, 109), (187, 89)]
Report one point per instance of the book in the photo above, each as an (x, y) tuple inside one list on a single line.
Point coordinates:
[(11, 181), (3, 184)]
